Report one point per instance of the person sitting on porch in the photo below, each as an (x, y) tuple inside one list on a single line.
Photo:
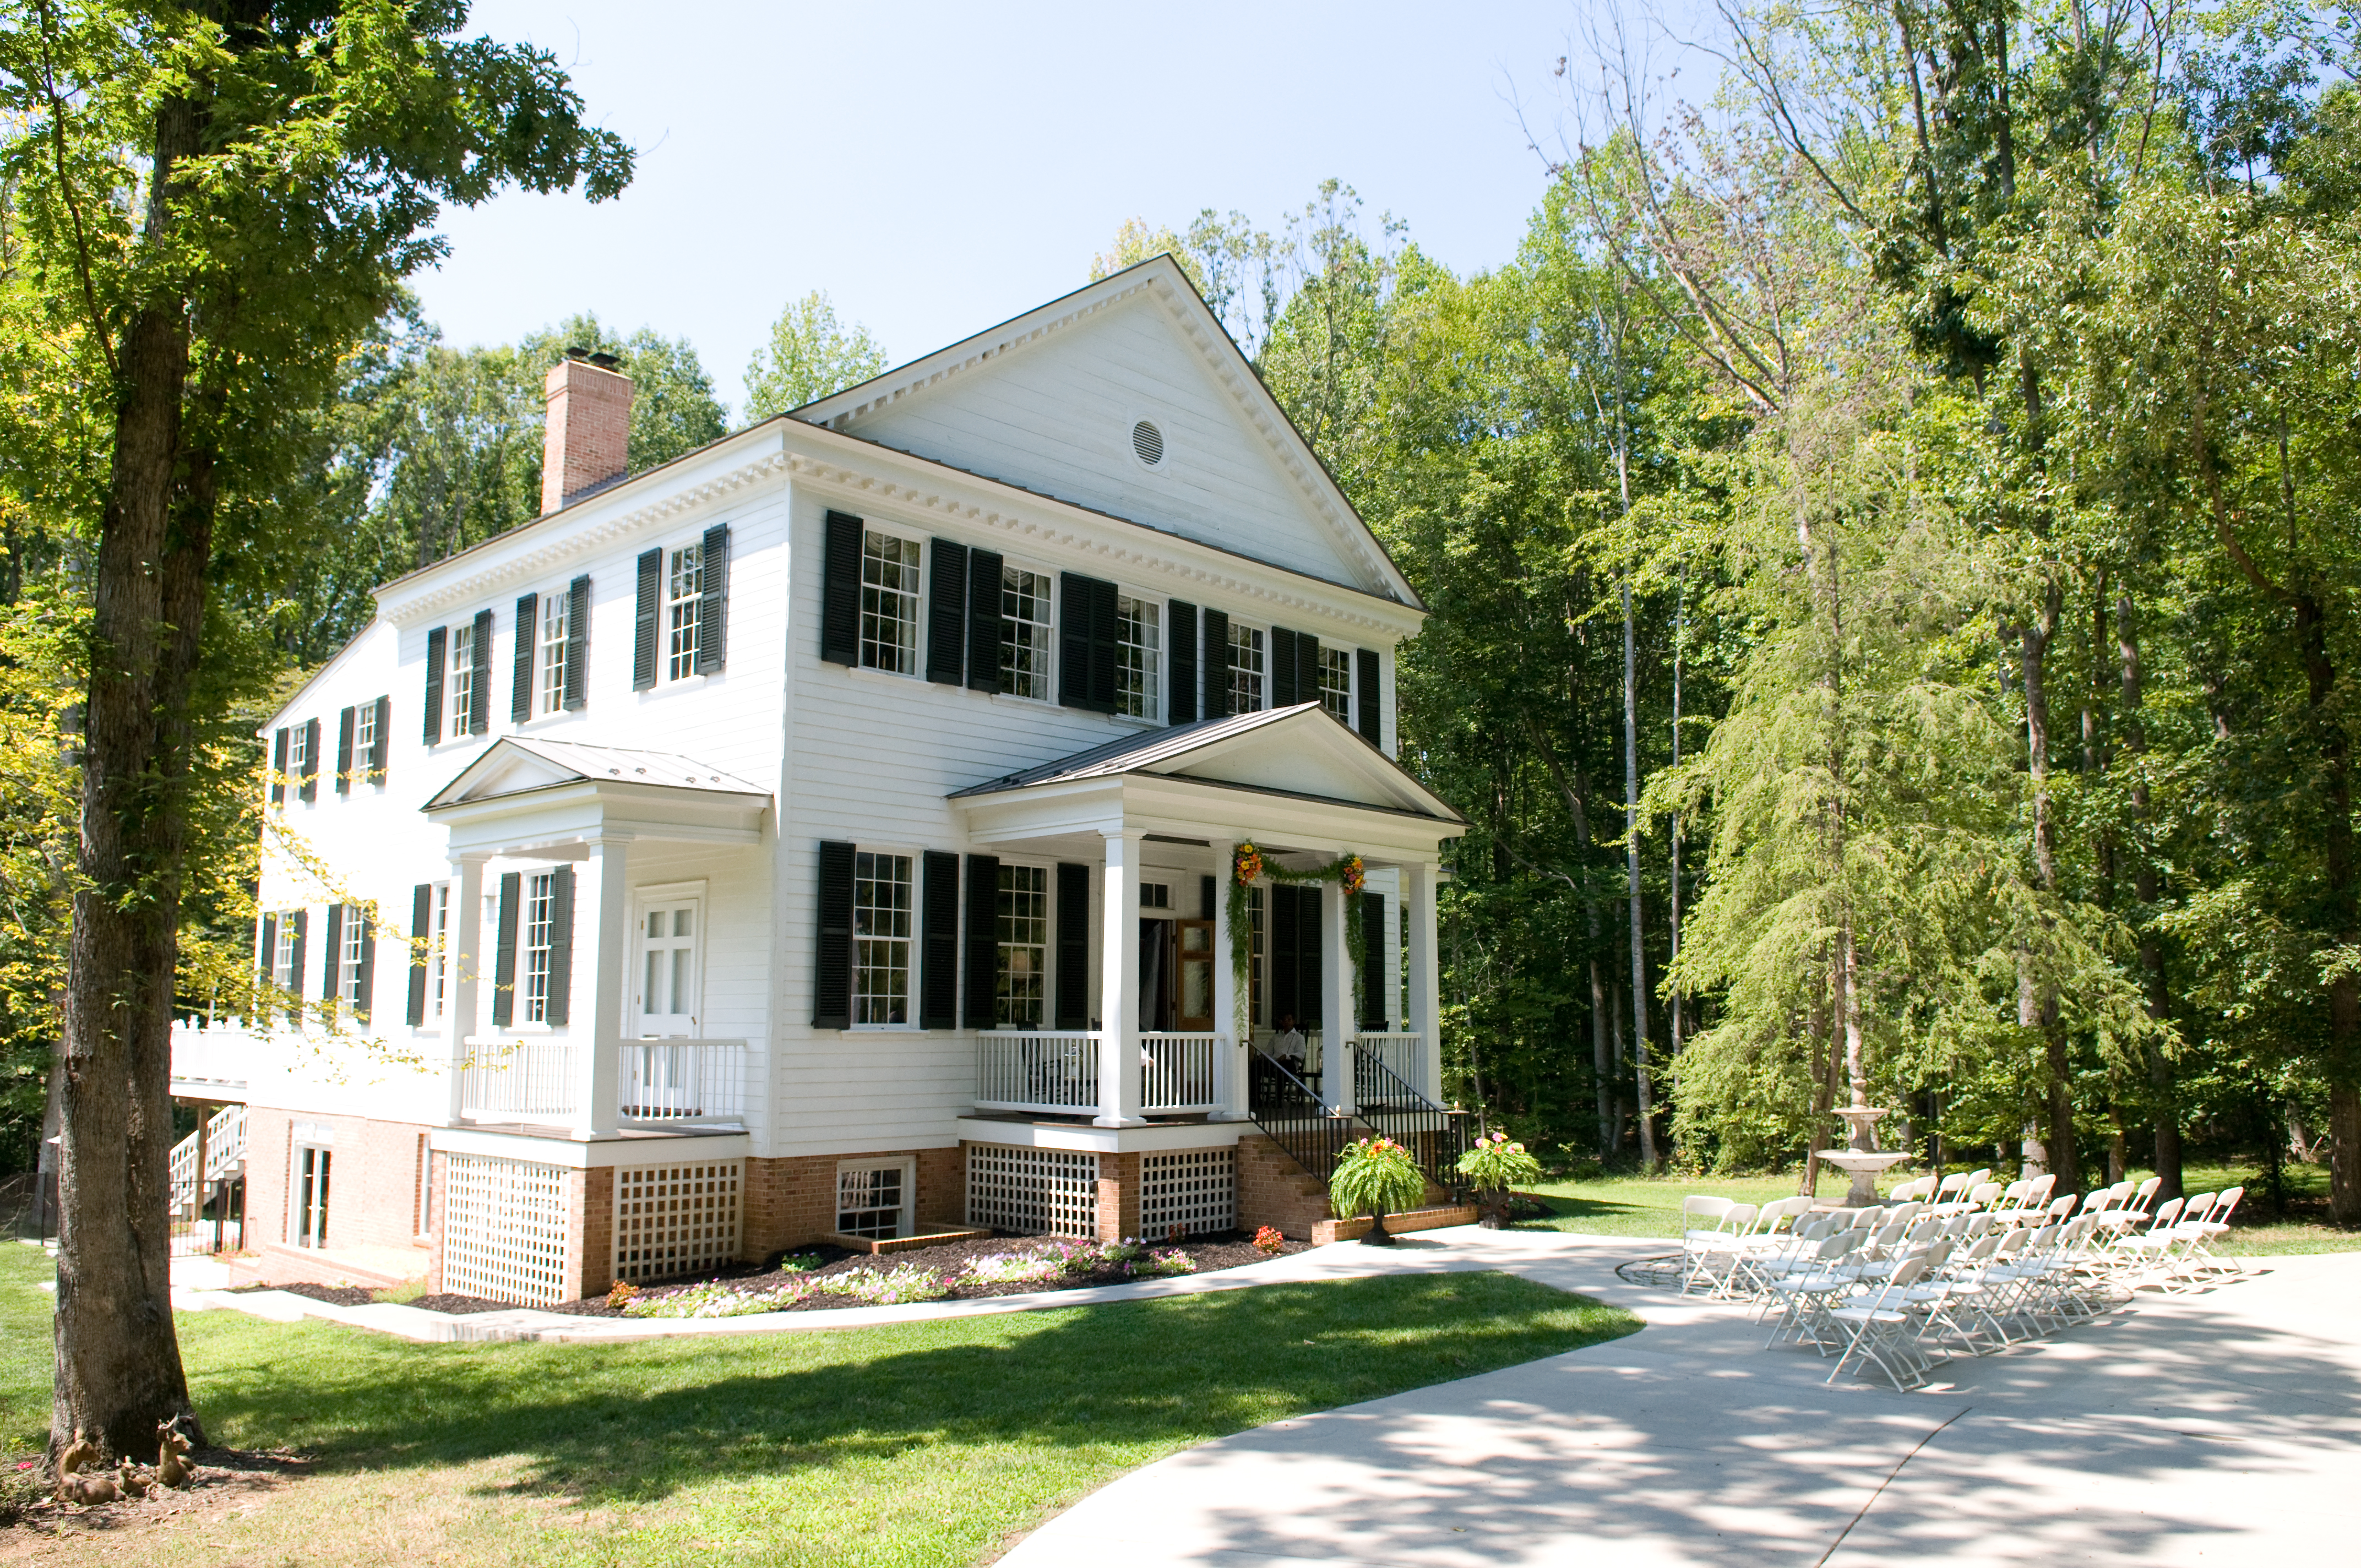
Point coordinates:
[(1286, 1046)]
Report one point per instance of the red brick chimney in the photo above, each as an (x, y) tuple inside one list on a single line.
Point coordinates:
[(587, 440)]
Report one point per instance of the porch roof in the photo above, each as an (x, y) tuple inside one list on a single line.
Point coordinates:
[(526, 791)]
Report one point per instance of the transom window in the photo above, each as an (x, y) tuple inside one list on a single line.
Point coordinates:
[(1245, 669), (870, 1201), (1138, 667), (1025, 631), (540, 926), (880, 940), (1156, 895), (1022, 993), (1336, 682), (554, 612), (352, 941), (889, 603), (684, 596), (462, 683)]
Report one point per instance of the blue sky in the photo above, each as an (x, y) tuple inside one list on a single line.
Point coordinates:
[(938, 167)]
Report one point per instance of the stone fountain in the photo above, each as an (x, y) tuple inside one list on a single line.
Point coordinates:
[(1862, 1160)]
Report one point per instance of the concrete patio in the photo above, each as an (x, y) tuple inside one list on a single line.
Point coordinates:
[(2218, 1427)]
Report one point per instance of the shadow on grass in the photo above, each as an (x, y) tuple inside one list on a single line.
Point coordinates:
[(631, 1423)]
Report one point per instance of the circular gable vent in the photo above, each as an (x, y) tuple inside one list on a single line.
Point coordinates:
[(1148, 444)]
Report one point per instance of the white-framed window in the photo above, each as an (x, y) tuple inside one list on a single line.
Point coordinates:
[(299, 752), (684, 594), (553, 630), (539, 928), (310, 1219), (438, 950), (874, 1197), (352, 947), (1025, 632), (1156, 895), (1138, 657), (1258, 1008), (1022, 993), (1336, 682), (364, 739), (889, 603), (283, 973), (881, 940), (1245, 669), (462, 684)]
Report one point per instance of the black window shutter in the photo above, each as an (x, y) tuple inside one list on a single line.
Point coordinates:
[(309, 787), (368, 961), (333, 959), (578, 645), (1073, 938), (479, 686), (1372, 727), (1073, 640), (1180, 656), (713, 604), (1373, 962), (983, 627), (947, 615), (438, 653), (1311, 1010), (265, 967), (345, 751), (561, 942), (1106, 631), (1205, 895), (279, 767), (421, 931), (643, 621), (1218, 663), (1284, 691), (504, 955), (303, 919), (839, 593), (528, 635), (377, 746), (1284, 940), (832, 967), (983, 941), (938, 956), (1307, 667)]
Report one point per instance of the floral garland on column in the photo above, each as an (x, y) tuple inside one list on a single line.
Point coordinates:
[(1247, 868)]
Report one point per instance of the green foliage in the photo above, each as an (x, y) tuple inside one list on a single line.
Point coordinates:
[(809, 357), (1497, 1165), (1373, 1175)]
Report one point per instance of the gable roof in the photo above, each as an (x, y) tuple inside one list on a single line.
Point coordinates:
[(1161, 277), (516, 764)]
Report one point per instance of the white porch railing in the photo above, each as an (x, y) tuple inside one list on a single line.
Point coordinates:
[(225, 1140), (1404, 1055), (682, 1080), (206, 1052), (1020, 1070), (1176, 1073), (524, 1080)]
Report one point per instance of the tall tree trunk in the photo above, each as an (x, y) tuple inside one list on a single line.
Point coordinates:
[(2035, 647), (2164, 1110), (1673, 924), (2345, 990), (1632, 879)]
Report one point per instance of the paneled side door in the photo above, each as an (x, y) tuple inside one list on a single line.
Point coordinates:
[(667, 977)]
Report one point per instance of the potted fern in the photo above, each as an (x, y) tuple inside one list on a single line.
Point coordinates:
[(1495, 1167), (1376, 1175)]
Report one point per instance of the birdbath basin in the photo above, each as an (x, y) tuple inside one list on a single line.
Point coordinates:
[(1863, 1167)]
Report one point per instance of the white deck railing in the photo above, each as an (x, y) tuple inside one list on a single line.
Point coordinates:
[(1176, 1073), (524, 1080), (225, 1141), (1404, 1055), (682, 1080), (206, 1052), (1020, 1070)]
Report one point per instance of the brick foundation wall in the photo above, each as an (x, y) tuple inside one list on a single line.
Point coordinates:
[(1276, 1191), (375, 1172), (1118, 1196), (1354, 1228), (791, 1203)]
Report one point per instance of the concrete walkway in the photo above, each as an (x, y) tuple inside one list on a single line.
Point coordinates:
[(2223, 1428)]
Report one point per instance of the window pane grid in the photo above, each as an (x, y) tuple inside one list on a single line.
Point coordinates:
[(881, 930), (540, 896), (437, 965), (1336, 682), (684, 594), (1245, 670), (1025, 633), (553, 652), (463, 676), (1021, 994), (869, 1203), (351, 937), (363, 735), (889, 603), (1139, 651)]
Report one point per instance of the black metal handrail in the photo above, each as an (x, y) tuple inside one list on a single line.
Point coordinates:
[(1435, 1137), (1292, 1114)]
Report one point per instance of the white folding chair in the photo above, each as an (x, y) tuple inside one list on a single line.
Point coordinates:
[(1701, 1217), (1876, 1328)]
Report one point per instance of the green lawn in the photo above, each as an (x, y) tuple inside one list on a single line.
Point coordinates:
[(1651, 1206), (917, 1444)]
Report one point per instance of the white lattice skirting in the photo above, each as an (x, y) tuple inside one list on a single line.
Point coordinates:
[(1033, 1192), (1196, 1190), (676, 1219), (504, 1230)]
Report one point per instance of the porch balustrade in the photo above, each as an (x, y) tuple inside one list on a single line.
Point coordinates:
[(1403, 1054), (1178, 1074), (1030, 1070), (521, 1080), (682, 1080)]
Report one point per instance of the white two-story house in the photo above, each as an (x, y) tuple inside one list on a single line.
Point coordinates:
[(831, 832)]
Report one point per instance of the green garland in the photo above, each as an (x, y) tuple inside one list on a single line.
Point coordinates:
[(1248, 867)]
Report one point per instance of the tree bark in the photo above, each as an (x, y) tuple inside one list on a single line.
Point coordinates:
[(2035, 648), (1631, 877), (2164, 1109)]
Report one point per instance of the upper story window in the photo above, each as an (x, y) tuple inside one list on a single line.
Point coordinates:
[(438, 950), (889, 603), (540, 928), (1336, 682), (1245, 669), (1139, 668), (683, 595), (299, 750), (462, 681), (1021, 994), (1025, 633), (351, 955), (365, 738), (551, 690), (287, 953), (881, 933)]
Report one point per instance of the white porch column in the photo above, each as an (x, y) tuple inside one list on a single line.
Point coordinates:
[(1236, 1055), (1419, 882), (595, 1002), (463, 973), (1119, 983), (1339, 1021)]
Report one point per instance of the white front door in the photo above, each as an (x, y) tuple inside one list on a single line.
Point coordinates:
[(665, 1000)]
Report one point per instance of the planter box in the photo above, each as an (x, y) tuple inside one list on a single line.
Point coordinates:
[(1353, 1229), (927, 1235)]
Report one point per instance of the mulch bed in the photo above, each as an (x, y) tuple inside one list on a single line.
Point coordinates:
[(334, 1295)]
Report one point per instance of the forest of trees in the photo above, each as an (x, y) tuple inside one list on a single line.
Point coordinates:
[(1890, 524)]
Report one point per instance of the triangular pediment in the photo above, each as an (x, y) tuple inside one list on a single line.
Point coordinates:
[(1055, 400), (514, 765)]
